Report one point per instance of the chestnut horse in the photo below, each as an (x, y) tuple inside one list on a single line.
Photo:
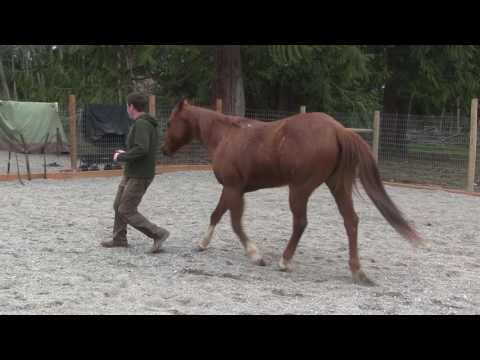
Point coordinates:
[(301, 152)]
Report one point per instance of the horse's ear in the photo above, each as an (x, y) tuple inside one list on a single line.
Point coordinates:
[(182, 104)]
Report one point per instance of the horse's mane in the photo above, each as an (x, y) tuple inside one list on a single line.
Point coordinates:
[(224, 119)]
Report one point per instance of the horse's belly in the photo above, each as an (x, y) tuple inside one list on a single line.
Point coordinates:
[(265, 177)]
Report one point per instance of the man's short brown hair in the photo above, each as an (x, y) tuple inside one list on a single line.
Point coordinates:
[(139, 101)]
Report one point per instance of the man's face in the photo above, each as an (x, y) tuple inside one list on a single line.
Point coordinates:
[(129, 111)]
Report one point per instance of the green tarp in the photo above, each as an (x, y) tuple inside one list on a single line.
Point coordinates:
[(31, 127)]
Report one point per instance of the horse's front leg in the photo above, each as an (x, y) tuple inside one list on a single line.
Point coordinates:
[(236, 205), (214, 220)]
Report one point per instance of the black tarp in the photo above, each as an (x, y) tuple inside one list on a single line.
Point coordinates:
[(100, 120), (104, 129)]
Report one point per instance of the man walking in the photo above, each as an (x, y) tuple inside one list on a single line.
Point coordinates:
[(139, 172)]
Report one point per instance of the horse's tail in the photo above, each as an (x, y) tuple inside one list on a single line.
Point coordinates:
[(356, 157)]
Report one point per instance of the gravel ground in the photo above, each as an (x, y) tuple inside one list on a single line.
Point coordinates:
[(52, 262)]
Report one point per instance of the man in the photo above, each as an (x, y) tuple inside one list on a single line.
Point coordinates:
[(139, 172)]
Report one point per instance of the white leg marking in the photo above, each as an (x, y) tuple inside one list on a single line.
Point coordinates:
[(206, 240), (252, 251)]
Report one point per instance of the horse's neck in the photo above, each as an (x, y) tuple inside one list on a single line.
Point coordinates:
[(210, 128)]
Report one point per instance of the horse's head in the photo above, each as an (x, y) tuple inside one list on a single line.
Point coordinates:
[(179, 132)]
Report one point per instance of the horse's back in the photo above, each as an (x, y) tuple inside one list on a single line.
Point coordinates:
[(319, 119)]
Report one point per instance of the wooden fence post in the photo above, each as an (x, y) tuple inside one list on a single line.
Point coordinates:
[(376, 134), (72, 113), (219, 106), (152, 105), (303, 109), (472, 153)]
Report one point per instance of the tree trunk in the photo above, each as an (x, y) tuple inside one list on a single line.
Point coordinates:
[(410, 105), (15, 93), (119, 81), (458, 116), (14, 90), (394, 125), (129, 62), (442, 121), (229, 80), (5, 93)]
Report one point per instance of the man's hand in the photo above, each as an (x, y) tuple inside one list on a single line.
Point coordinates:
[(118, 152)]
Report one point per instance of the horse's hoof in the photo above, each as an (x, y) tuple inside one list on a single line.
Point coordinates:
[(285, 266), (423, 244), (260, 262), (155, 251), (199, 248), (360, 278)]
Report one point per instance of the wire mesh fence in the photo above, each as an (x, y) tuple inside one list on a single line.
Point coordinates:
[(96, 146), (357, 121), (267, 115), (424, 149), (98, 138), (416, 149)]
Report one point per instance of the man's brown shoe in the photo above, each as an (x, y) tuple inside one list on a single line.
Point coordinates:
[(157, 243), (114, 244)]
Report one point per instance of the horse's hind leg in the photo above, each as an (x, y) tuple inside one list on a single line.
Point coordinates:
[(236, 205), (345, 206), (217, 215), (298, 205)]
